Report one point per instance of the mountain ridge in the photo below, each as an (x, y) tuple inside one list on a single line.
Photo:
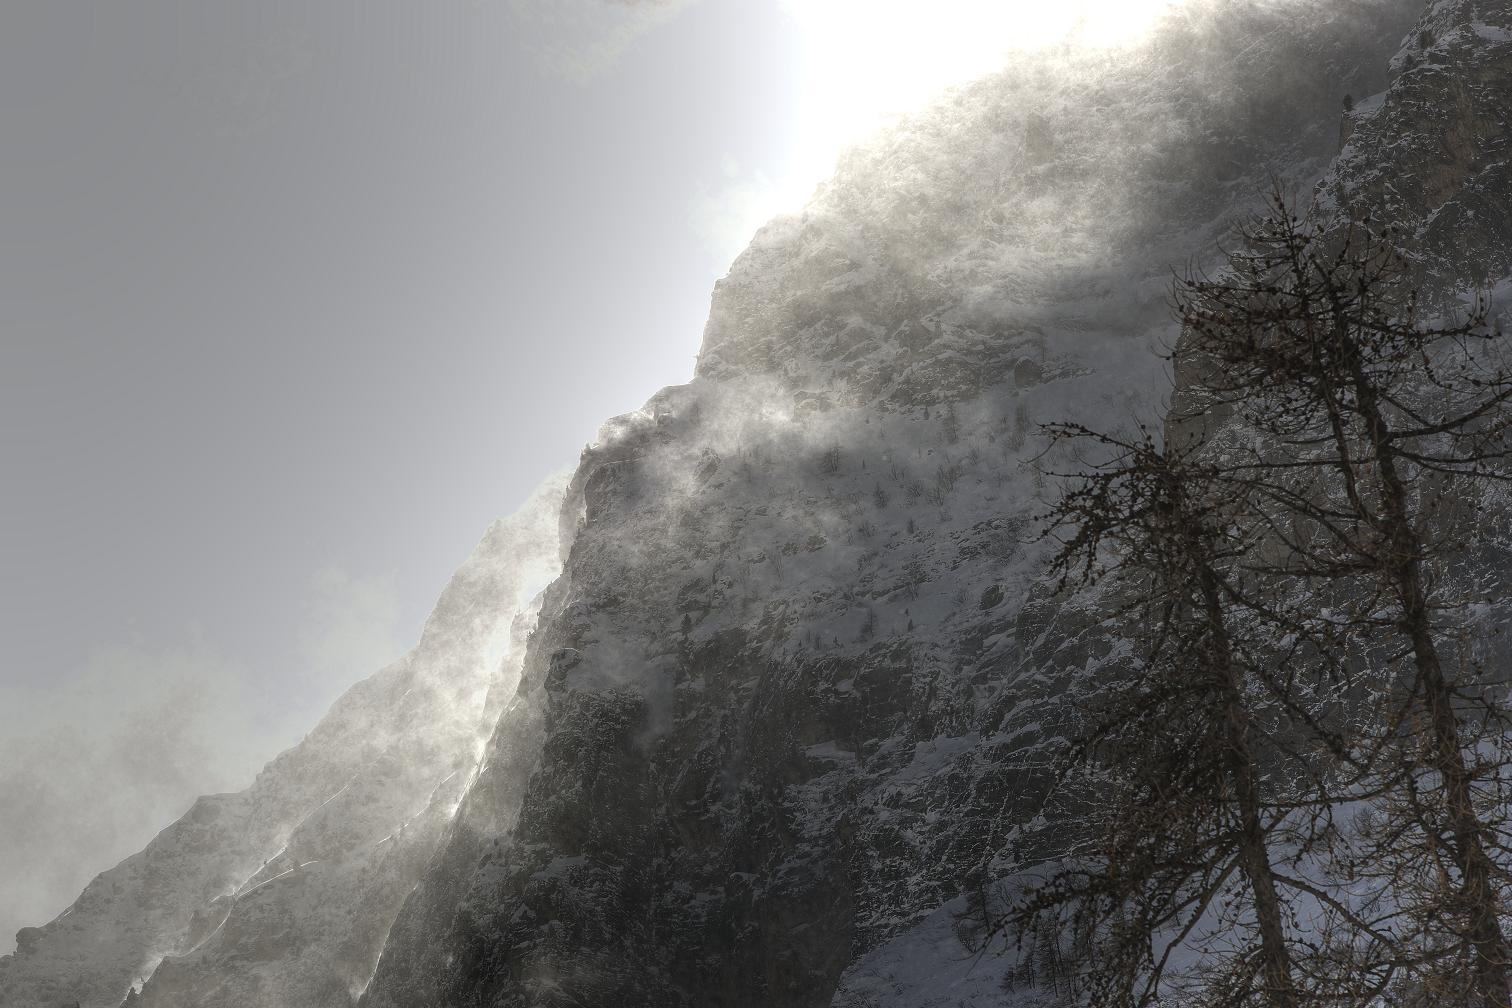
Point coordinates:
[(357, 805)]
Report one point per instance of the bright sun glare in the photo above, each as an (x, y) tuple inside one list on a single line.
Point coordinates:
[(867, 61), (870, 60)]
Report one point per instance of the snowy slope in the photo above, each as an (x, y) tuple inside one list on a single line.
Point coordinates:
[(282, 894)]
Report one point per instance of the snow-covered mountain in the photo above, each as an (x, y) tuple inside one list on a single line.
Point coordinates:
[(793, 686)]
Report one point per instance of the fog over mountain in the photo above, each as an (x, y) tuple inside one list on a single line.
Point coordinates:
[(759, 700)]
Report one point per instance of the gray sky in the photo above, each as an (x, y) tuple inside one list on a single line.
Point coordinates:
[(296, 297)]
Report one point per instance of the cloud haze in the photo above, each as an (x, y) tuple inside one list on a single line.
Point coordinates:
[(104, 761), (725, 215), (582, 39), (91, 768), (351, 626)]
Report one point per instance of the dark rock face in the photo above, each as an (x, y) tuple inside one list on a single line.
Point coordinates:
[(798, 681), (1430, 155)]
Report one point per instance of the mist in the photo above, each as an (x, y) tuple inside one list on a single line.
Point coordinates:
[(94, 765)]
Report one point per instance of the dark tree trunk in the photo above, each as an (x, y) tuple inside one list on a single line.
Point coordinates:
[(1280, 992), (1403, 566)]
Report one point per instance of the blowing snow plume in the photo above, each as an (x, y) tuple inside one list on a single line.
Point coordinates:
[(311, 862)]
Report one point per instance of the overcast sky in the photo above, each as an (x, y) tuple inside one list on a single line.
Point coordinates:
[(295, 298)]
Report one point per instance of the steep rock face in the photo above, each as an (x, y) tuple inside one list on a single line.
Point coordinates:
[(795, 684), (1432, 154), (282, 894)]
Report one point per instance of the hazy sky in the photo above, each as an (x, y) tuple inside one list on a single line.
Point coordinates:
[(296, 297)]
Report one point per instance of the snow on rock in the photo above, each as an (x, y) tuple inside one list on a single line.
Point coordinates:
[(928, 967), (1431, 155), (799, 678)]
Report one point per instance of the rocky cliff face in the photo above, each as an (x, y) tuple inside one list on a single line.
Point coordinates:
[(797, 681), (282, 894), (795, 686), (1430, 154)]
